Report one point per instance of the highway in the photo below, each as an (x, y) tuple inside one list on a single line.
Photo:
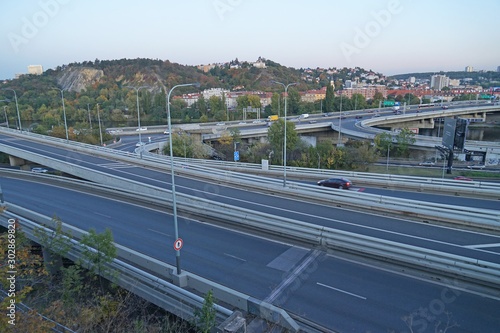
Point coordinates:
[(339, 294), (399, 230)]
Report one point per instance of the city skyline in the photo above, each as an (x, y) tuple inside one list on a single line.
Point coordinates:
[(390, 37)]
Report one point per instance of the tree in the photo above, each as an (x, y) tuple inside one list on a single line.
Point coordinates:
[(293, 101), (404, 139), (254, 101), (202, 105), (215, 104), (360, 155), (160, 99), (329, 99), (235, 134), (117, 116), (55, 241), (98, 251), (377, 98), (276, 135), (181, 145), (177, 106), (383, 142), (184, 146), (225, 145), (30, 273), (242, 102), (358, 101), (275, 104), (224, 106), (204, 318), (411, 99)]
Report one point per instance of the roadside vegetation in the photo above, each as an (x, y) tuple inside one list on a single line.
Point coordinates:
[(52, 292)]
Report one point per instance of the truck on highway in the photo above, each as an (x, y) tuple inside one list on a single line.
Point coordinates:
[(304, 115), (271, 119)]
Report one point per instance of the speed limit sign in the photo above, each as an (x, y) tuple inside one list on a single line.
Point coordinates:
[(178, 244)]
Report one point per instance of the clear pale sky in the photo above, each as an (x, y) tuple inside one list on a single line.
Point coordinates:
[(388, 36)]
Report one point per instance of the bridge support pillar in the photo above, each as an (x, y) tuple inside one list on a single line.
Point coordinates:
[(16, 161), (53, 262), (196, 136)]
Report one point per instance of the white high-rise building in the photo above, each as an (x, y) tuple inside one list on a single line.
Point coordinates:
[(469, 69), (439, 81), (35, 69)]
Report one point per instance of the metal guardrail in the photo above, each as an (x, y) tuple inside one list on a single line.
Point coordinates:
[(129, 276), (473, 271), (424, 141), (482, 189), (427, 211), (433, 184), (154, 287)]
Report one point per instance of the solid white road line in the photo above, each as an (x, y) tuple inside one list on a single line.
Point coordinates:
[(482, 246), (235, 257), (159, 232), (340, 290)]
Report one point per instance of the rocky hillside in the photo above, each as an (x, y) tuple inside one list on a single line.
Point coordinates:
[(79, 78)]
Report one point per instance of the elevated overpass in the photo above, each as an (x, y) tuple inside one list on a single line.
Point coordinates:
[(119, 169)]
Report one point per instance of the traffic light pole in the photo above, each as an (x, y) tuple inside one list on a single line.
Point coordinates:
[(450, 162), (447, 152)]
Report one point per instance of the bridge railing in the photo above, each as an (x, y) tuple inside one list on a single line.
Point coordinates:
[(470, 270), (479, 188), (156, 286), (475, 188)]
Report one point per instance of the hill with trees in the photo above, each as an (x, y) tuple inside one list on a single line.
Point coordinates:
[(106, 87)]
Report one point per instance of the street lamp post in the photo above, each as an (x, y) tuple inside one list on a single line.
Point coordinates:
[(387, 163), (438, 135), (174, 205), (99, 120), (64, 112), (340, 122), (138, 115), (279, 105), (5, 112), (284, 145), (17, 108), (6, 118), (90, 119)]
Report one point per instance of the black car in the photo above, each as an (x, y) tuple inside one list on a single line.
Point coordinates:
[(336, 182)]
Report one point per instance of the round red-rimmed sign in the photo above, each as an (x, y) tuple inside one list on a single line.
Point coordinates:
[(178, 244)]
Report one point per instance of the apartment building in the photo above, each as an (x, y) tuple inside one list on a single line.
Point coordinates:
[(368, 92)]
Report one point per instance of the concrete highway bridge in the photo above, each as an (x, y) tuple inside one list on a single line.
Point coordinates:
[(301, 256)]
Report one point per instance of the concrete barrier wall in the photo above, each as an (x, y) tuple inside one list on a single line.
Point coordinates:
[(154, 287)]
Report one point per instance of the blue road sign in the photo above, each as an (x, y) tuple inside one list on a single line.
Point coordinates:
[(236, 156)]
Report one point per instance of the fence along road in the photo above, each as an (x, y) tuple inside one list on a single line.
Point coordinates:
[(260, 217)]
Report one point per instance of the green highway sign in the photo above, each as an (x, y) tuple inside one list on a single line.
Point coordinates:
[(485, 96), (388, 103)]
